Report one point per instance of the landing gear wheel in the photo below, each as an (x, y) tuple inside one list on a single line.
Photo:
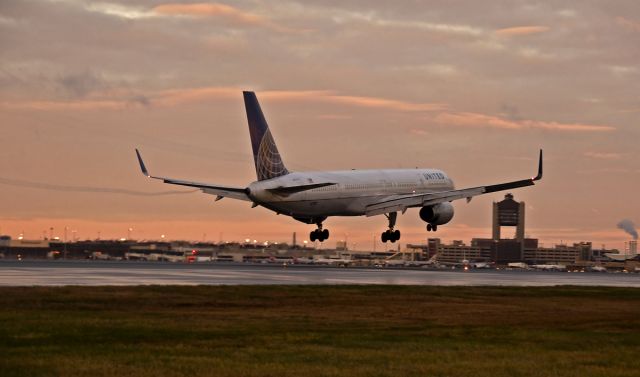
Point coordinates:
[(390, 235), (319, 234), (434, 227), (428, 227)]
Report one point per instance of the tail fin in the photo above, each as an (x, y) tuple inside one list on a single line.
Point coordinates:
[(265, 153)]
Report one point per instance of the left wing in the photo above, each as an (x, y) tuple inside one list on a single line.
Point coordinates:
[(402, 202), (221, 191)]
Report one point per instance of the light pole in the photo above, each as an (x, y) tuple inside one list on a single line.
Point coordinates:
[(374, 242), (64, 252)]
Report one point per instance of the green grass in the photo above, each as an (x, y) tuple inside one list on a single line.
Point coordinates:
[(319, 331)]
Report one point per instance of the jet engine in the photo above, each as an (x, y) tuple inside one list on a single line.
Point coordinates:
[(438, 214)]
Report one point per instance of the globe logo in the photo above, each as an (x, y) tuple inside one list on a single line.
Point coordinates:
[(268, 163)]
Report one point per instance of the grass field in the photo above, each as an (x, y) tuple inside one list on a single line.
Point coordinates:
[(319, 331)]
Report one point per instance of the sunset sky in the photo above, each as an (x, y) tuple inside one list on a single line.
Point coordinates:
[(471, 87)]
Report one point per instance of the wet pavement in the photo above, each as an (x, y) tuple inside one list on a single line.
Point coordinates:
[(56, 273)]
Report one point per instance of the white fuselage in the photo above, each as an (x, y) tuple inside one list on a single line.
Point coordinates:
[(352, 192)]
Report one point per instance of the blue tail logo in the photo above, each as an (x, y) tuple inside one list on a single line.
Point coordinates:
[(265, 153)]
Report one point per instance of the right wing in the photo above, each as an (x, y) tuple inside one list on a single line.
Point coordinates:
[(402, 202), (221, 191)]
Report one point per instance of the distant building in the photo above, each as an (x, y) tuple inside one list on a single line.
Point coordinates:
[(457, 252), (4, 241), (630, 252), (22, 248), (485, 250), (581, 251)]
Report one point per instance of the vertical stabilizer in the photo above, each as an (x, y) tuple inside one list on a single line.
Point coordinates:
[(265, 153)]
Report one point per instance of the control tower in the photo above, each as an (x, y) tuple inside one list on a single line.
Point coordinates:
[(508, 213)]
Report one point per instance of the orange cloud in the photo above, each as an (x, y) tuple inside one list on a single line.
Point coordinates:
[(174, 97), (117, 99), (65, 105), (334, 116), (208, 10), (286, 95), (628, 24), (228, 12), (521, 30), (384, 103), (481, 120), (418, 132), (474, 120), (604, 156)]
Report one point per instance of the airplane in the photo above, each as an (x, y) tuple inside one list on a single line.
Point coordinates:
[(312, 197)]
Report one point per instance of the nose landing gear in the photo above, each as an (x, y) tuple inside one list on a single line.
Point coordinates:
[(390, 234)]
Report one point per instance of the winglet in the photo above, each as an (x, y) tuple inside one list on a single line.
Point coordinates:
[(142, 167), (539, 176)]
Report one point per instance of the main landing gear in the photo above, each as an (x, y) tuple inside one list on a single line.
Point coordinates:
[(390, 234), (431, 227), (319, 234)]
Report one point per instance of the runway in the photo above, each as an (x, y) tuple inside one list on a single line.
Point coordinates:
[(94, 273)]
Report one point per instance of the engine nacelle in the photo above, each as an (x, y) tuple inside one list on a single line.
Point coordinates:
[(438, 214)]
